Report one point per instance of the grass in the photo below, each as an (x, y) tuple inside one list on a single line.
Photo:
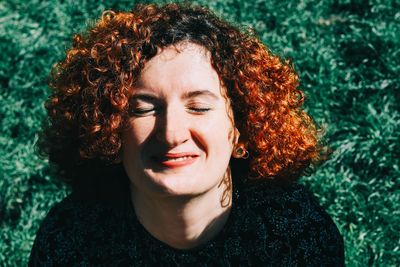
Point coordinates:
[(346, 51)]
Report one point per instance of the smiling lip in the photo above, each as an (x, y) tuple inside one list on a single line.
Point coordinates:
[(175, 160)]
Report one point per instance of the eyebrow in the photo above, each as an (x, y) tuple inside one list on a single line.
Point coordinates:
[(187, 95), (144, 96), (196, 93)]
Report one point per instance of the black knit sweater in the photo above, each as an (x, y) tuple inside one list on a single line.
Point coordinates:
[(268, 226)]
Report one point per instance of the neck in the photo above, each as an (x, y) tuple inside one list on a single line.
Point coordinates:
[(182, 222)]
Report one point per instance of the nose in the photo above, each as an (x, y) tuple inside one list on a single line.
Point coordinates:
[(173, 128)]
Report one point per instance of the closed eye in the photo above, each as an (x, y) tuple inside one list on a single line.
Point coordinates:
[(144, 105), (145, 111), (198, 110)]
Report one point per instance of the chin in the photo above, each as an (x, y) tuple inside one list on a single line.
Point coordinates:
[(180, 186)]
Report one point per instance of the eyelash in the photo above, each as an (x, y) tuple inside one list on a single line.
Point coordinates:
[(199, 110), (141, 112)]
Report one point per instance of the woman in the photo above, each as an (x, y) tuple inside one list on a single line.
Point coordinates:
[(182, 139)]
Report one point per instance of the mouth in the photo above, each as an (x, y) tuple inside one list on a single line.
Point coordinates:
[(174, 160)]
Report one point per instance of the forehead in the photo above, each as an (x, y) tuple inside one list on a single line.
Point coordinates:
[(181, 66), (197, 52)]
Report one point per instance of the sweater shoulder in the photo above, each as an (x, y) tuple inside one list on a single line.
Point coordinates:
[(296, 222), (74, 231), (293, 203), (72, 213)]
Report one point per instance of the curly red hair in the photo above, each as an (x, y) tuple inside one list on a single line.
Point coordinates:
[(89, 107)]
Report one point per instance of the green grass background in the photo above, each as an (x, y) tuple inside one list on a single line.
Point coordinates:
[(347, 53)]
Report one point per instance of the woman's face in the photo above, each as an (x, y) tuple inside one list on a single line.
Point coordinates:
[(179, 138)]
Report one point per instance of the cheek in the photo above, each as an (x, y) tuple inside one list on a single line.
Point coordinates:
[(218, 134), (134, 137)]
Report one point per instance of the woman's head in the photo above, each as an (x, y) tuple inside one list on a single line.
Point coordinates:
[(94, 87), (179, 137)]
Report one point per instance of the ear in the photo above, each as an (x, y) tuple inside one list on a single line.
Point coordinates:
[(236, 136)]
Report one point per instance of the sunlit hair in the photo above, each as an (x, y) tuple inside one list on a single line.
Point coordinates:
[(89, 106)]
